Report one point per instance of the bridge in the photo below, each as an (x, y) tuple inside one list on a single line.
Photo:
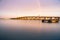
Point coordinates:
[(50, 19), (43, 18)]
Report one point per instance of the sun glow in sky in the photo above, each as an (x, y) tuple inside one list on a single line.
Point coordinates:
[(16, 8)]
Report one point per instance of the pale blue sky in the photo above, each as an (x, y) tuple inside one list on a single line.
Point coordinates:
[(14, 8)]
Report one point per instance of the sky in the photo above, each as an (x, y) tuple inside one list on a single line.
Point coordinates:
[(17, 8)]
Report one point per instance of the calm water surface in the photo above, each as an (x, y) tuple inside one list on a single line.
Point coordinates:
[(28, 30)]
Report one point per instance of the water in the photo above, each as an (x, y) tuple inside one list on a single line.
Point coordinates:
[(28, 30)]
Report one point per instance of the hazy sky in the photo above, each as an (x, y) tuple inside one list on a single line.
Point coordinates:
[(15, 8)]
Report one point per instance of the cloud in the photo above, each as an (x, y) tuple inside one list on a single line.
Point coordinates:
[(50, 3)]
